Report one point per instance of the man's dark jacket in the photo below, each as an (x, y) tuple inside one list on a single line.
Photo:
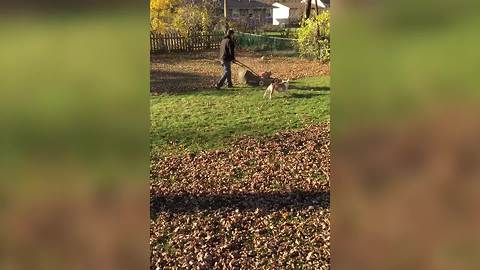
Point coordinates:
[(227, 50)]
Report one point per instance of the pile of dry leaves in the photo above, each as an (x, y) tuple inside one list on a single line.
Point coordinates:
[(187, 72), (258, 204)]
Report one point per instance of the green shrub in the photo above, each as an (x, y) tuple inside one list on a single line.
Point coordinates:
[(314, 37)]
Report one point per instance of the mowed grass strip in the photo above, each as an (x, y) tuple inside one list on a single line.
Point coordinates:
[(202, 120)]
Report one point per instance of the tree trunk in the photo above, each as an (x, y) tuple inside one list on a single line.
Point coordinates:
[(318, 27), (316, 11), (225, 15), (308, 8)]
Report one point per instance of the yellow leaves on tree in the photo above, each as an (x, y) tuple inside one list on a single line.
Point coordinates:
[(162, 13), (314, 37), (185, 18), (163, 5), (192, 18)]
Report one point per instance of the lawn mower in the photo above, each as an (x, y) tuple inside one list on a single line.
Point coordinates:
[(246, 75)]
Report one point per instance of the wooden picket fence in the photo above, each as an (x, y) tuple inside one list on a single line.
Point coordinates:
[(174, 42)]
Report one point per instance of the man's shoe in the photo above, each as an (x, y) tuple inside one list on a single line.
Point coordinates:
[(217, 87), (230, 87)]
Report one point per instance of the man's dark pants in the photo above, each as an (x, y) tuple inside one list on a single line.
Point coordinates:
[(227, 74)]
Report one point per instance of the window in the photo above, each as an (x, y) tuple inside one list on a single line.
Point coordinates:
[(235, 13)]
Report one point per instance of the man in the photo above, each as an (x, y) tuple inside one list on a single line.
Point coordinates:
[(227, 56)]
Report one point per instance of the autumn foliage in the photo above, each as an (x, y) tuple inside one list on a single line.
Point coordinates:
[(257, 204), (161, 14), (183, 16), (314, 37)]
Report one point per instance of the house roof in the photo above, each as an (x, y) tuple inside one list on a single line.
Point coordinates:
[(245, 4), (321, 3), (291, 3), (298, 3)]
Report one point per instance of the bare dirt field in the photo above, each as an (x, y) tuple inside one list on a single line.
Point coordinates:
[(180, 72)]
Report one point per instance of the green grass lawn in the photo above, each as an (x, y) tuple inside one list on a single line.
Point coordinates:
[(209, 119)]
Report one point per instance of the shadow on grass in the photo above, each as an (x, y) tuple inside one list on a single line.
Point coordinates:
[(240, 89), (272, 201), (225, 92), (306, 95), (179, 82), (311, 88)]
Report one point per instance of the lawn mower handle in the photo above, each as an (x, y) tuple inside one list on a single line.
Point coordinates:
[(245, 66)]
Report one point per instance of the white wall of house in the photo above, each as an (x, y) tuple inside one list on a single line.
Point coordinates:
[(319, 3), (279, 12)]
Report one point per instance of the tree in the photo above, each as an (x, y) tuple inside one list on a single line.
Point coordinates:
[(314, 37), (161, 14), (193, 18), (316, 13), (308, 8), (183, 16)]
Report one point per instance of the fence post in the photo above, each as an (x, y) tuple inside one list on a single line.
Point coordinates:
[(190, 42), (151, 43), (161, 41)]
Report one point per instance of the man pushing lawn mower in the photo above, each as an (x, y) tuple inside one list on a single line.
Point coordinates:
[(246, 75), (227, 56)]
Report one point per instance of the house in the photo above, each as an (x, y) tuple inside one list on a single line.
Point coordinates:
[(289, 11), (254, 13), (322, 4)]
